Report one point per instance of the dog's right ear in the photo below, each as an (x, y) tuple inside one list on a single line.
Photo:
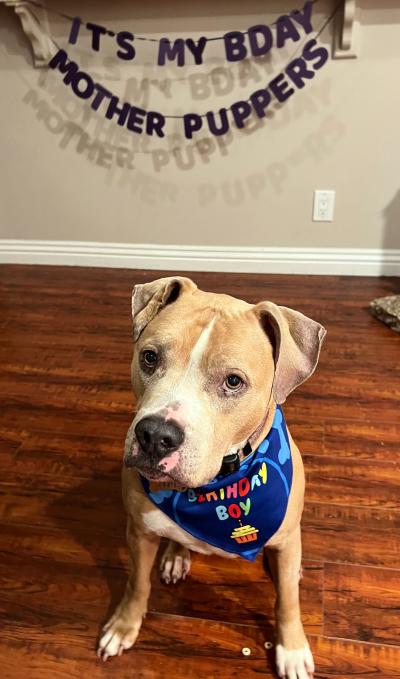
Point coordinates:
[(148, 299)]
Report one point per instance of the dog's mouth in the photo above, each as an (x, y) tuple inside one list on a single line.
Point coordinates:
[(169, 470), (152, 472), (154, 475)]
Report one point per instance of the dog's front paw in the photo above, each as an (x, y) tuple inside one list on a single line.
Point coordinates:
[(119, 635), (175, 563), (294, 664)]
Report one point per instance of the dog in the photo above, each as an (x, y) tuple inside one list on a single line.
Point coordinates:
[(208, 453)]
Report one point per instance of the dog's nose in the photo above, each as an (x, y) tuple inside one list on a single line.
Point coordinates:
[(158, 437)]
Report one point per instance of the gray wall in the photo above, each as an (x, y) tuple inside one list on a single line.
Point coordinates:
[(60, 172)]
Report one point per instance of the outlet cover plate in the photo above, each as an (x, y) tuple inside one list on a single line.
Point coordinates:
[(324, 205)]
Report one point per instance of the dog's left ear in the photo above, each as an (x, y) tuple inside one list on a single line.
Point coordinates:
[(296, 341), (148, 299)]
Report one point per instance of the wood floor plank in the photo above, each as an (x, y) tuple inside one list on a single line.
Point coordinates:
[(347, 482), (79, 506), (64, 545), (362, 603), (63, 654), (336, 401), (167, 646), (10, 441), (341, 438), (67, 417), (57, 460), (345, 659), (359, 440), (309, 436), (358, 535), (35, 590)]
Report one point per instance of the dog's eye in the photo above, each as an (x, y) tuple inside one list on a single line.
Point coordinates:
[(149, 358), (233, 382)]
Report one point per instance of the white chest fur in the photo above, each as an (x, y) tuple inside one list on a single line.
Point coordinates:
[(157, 522)]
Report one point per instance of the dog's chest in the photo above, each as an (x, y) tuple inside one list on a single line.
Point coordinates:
[(155, 521)]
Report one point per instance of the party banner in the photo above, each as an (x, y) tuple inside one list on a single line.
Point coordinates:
[(257, 41)]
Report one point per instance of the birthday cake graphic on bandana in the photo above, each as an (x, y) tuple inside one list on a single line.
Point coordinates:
[(244, 534)]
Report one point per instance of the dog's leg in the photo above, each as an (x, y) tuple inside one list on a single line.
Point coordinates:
[(293, 656), (175, 563), (121, 631)]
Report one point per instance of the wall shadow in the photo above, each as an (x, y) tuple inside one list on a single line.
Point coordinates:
[(391, 235), (81, 512), (391, 213)]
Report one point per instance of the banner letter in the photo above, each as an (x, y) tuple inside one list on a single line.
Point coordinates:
[(257, 49), (286, 30), (97, 31), (168, 51), (234, 47), (303, 16), (60, 61), (240, 110), (223, 122), (297, 71), (197, 49), (260, 101), (313, 51), (280, 88), (192, 123), (124, 40), (74, 32)]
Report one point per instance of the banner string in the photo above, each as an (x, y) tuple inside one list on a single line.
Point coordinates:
[(139, 37), (322, 28)]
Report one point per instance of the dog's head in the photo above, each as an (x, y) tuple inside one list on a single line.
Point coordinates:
[(205, 370)]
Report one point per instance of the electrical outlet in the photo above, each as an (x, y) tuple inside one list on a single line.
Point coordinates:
[(324, 204)]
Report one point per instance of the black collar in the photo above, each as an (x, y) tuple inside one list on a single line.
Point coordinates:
[(231, 462)]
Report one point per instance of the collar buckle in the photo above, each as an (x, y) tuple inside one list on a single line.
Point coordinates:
[(231, 462)]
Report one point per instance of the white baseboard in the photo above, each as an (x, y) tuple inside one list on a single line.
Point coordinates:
[(337, 261)]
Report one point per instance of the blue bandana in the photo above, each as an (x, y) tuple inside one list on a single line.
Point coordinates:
[(240, 512)]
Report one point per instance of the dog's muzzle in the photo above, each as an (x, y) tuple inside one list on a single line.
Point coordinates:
[(158, 439)]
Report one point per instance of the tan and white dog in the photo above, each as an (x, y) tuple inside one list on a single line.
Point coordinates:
[(207, 373)]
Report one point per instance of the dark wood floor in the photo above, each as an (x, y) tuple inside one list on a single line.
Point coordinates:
[(65, 405)]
